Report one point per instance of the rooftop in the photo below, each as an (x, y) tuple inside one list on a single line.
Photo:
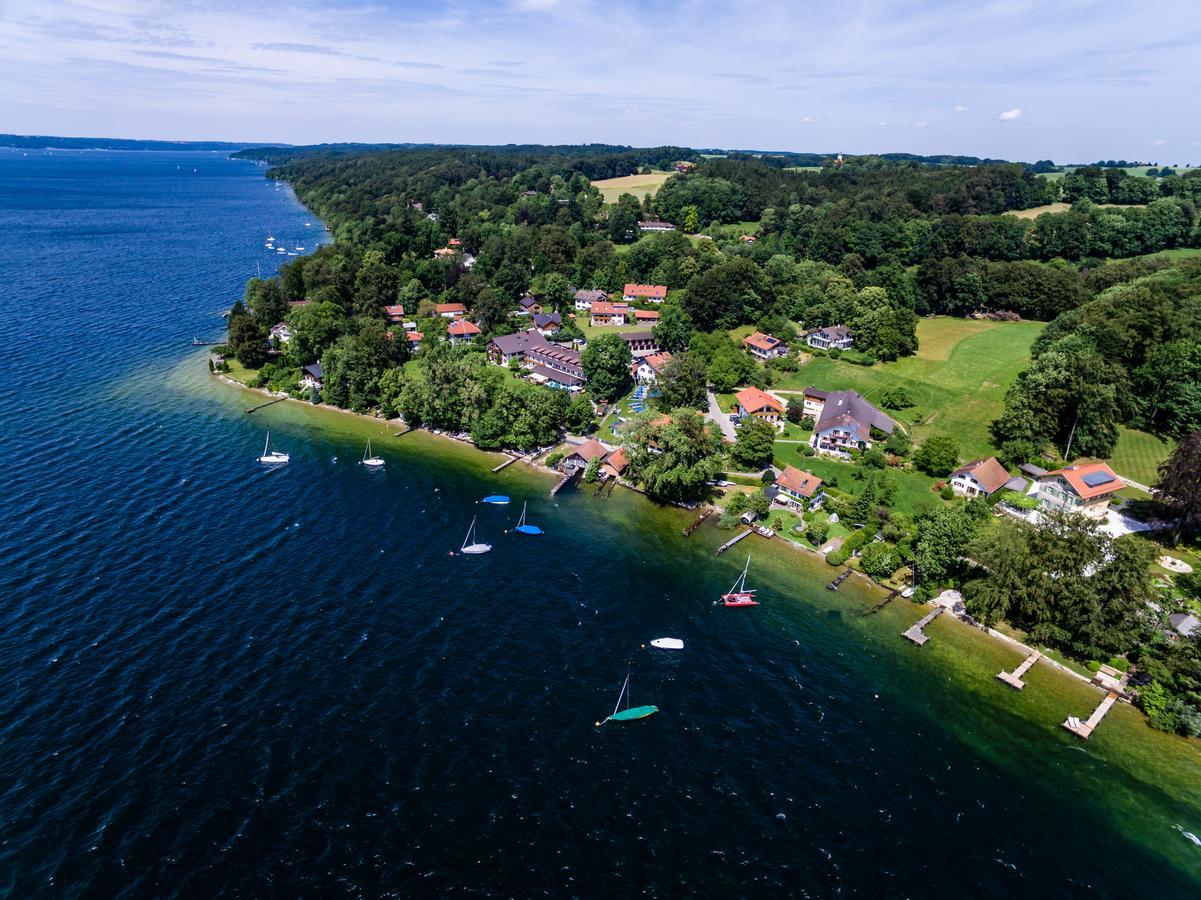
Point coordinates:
[(799, 481), (989, 472), (1088, 481), (752, 400)]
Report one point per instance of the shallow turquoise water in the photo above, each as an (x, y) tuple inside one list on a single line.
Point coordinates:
[(222, 678)]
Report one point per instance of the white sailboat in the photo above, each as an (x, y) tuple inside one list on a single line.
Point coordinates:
[(272, 457), (470, 545), (370, 460)]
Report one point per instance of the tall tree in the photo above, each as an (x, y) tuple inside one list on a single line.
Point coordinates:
[(606, 363), (674, 460), (1179, 485), (683, 383)]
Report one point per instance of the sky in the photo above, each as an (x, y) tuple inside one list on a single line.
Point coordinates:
[(1073, 81)]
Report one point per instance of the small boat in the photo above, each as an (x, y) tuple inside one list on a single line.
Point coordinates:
[(272, 457), (668, 643), (739, 595), (496, 500), (370, 460), (470, 545), (630, 712), (523, 528)]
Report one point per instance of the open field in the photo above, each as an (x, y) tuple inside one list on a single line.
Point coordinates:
[(1130, 170), (1139, 454), (914, 490), (638, 185), (802, 168), (582, 321), (957, 380), (1036, 211)]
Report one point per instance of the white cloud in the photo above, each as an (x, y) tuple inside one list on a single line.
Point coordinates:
[(1010, 114), (809, 120), (1158, 142), (959, 108)]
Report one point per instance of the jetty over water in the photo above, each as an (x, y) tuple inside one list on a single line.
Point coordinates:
[(732, 541), (1084, 729), (915, 632), (1014, 678)]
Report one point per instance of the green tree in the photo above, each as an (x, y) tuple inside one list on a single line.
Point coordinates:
[(676, 459), (247, 340), (606, 363), (683, 383), (1179, 485), (755, 443), (938, 456), (729, 367), (896, 397), (943, 537), (265, 301), (692, 220), (375, 285), (674, 329), (314, 326), (878, 559)]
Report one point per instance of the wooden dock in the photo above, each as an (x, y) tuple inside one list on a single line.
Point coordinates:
[(509, 460), (699, 521), (565, 480), (732, 541), (1014, 678), (1082, 730), (915, 633), (833, 585), (268, 403)]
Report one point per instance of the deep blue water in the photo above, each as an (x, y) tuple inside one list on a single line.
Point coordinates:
[(221, 679)]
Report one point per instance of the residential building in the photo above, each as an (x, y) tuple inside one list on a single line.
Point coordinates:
[(656, 225), (444, 252), (844, 422), (760, 404), (529, 305), (764, 346), (641, 343), (395, 314), (747, 238), (798, 489), (606, 313), (547, 324), (310, 376), (281, 333), (614, 464), (652, 293), (814, 399), (1184, 624), (684, 166), (585, 299), (648, 368), (561, 365), (506, 347), (979, 478), (414, 338), (450, 310), (647, 316), (582, 455), (832, 337), (1084, 489), (460, 331)]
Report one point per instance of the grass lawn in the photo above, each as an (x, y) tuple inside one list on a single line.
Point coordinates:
[(584, 323), (1138, 455), (913, 488), (239, 372), (638, 185), (957, 379)]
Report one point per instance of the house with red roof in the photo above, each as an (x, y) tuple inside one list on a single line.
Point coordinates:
[(1085, 489), (979, 478), (760, 404), (450, 310), (605, 312), (460, 331), (764, 346), (798, 489), (648, 368), (394, 314), (648, 293), (648, 316)]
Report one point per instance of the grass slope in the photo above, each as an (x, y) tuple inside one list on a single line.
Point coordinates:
[(957, 379), (638, 185), (1139, 454)]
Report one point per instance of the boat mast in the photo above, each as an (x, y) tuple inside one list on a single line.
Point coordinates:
[(267, 443), (624, 688)]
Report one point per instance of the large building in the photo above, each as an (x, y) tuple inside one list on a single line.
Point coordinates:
[(764, 346), (652, 293), (844, 421), (641, 343), (1084, 489), (833, 337)]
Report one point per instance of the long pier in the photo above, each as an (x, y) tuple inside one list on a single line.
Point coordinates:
[(268, 403), (915, 633), (1014, 678), (732, 541), (565, 480), (833, 585), (1082, 730), (509, 460)]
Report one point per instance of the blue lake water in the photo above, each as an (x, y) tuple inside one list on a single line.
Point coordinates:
[(220, 678)]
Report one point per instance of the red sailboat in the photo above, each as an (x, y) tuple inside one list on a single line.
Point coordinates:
[(739, 594)]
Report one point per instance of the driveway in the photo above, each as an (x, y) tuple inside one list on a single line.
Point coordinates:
[(720, 419)]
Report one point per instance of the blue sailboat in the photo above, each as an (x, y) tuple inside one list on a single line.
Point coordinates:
[(496, 500), (522, 527)]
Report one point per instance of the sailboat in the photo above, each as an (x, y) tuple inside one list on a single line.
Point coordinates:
[(272, 457), (469, 543), (372, 462), (739, 595), (629, 713), (496, 500), (523, 528)]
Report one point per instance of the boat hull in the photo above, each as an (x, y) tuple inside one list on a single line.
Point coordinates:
[(668, 643), (637, 712), (528, 529), (476, 549), (272, 459)]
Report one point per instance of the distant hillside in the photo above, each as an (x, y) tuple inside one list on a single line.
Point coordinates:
[(45, 142)]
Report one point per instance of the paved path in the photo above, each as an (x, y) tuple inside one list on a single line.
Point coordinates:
[(720, 419)]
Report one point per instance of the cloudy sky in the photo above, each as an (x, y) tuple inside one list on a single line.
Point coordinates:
[(1022, 79)]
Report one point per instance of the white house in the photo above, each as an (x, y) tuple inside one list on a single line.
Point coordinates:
[(832, 337), (979, 478), (1084, 489)]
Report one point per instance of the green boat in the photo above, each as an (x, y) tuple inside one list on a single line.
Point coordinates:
[(630, 712)]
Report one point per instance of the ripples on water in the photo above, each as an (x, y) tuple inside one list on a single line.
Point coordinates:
[(227, 678)]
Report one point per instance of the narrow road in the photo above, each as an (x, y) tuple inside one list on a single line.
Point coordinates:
[(720, 419)]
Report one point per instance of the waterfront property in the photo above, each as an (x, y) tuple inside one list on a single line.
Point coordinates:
[(647, 293), (648, 368), (580, 456), (844, 422), (504, 348), (798, 489), (556, 366), (280, 333), (310, 377), (585, 299), (832, 337), (760, 404), (979, 478), (764, 346), (1085, 489)]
